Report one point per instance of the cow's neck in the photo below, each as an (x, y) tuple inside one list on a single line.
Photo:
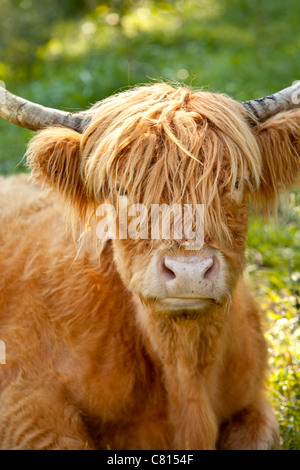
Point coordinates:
[(186, 348)]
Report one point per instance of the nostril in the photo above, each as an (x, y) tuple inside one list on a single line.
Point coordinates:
[(166, 273), (212, 269)]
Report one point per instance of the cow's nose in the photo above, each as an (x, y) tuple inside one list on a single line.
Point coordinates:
[(186, 276)]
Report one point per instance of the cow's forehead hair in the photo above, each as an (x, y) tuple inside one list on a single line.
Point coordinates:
[(165, 143)]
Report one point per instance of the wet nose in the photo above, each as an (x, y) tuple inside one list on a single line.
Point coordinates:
[(185, 276)]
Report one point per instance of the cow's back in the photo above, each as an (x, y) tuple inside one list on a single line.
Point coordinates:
[(32, 234), (30, 219), (20, 201)]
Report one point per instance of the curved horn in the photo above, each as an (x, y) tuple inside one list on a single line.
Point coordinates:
[(33, 116), (263, 108)]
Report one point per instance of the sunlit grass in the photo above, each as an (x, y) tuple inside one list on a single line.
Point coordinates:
[(274, 274)]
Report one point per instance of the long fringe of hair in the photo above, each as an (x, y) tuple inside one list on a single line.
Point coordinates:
[(164, 143)]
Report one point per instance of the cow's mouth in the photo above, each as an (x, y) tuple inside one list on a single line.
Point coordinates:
[(181, 303)]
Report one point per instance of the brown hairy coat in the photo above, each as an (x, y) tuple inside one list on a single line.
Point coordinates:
[(91, 361)]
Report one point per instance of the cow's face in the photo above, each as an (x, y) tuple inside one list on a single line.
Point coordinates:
[(161, 145), (174, 275), (182, 149)]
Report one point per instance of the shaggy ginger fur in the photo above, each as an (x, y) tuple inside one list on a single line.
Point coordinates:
[(91, 361)]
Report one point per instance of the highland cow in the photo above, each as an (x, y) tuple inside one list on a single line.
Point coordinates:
[(138, 343)]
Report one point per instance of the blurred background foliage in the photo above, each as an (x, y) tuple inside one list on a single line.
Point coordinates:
[(69, 54)]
